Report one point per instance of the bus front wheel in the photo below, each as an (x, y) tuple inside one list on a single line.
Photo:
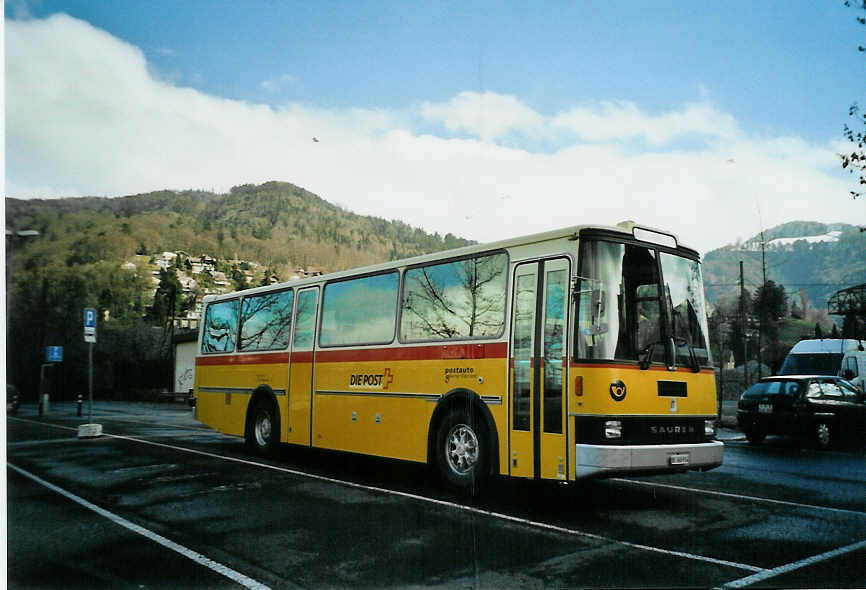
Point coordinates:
[(461, 451), (262, 432)]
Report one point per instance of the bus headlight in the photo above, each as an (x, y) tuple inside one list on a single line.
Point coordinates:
[(613, 429), (709, 428)]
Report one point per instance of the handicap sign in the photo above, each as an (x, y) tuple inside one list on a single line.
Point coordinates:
[(53, 354)]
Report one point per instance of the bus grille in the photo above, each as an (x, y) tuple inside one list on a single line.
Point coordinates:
[(641, 430)]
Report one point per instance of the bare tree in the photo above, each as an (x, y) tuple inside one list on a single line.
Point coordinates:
[(855, 162)]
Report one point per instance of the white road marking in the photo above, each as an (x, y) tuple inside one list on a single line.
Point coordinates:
[(790, 567), (219, 568), (737, 496), (452, 505), (36, 443)]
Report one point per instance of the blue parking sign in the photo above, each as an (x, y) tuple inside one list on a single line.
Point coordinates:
[(53, 354), (89, 317)]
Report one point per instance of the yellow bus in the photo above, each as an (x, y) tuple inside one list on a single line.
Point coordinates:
[(575, 353)]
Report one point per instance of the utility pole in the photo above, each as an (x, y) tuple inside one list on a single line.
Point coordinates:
[(762, 302), (745, 334)]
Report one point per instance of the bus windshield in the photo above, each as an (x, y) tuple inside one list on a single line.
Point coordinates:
[(634, 298)]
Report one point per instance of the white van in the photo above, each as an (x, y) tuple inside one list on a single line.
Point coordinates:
[(843, 357)]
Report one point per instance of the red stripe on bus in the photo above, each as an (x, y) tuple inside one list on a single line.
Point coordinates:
[(302, 357), (262, 358), (403, 353), (415, 353)]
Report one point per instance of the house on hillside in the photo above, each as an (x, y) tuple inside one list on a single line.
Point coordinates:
[(204, 263), (165, 260), (220, 279)]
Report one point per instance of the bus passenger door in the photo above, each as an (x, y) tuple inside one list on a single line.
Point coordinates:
[(537, 442), (299, 421)]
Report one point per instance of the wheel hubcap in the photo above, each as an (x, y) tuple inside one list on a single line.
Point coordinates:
[(823, 434), (263, 429), (461, 449)]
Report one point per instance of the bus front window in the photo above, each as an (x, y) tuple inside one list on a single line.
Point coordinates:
[(620, 310), (684, 302), (633, 299)]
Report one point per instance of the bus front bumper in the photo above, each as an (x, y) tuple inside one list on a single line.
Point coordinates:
[(613, 460)]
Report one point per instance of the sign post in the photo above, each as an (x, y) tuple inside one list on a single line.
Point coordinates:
[(90, 430), (48, 376)]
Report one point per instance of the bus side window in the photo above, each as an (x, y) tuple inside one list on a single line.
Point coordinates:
[(453, 300), (220, 327), (266, 321), (360, 311)]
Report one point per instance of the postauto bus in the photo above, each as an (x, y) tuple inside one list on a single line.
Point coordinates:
[(575, 353)]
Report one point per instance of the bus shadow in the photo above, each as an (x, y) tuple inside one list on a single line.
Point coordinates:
[(573, 503)]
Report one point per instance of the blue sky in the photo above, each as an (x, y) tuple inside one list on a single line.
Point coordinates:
[(634, 110), (783, 67)]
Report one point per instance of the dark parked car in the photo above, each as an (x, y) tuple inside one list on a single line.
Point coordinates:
[(818, 408)]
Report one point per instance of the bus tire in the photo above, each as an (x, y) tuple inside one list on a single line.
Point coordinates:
[(263, 428), (461, 451)]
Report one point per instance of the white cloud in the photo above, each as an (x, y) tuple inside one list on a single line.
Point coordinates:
[(610, 121), (275, 84), (486, 115), (85, 116)]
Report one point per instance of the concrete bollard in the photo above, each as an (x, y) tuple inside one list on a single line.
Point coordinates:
[(80, 401)]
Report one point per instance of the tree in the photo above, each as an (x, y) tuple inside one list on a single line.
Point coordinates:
[(855, 162), (740, 334), (239, 280), (853, 327), (168, 299), (771, 301)]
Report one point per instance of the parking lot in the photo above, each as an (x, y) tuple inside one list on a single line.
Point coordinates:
[(161, 501)]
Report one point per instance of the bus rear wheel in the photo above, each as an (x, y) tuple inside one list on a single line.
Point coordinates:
[(263, 429), (461, 451)]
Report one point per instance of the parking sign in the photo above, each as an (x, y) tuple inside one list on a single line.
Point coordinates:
[(89, 324)]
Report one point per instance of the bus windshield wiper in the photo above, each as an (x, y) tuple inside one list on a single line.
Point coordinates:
[(696, 367), (647, 355)]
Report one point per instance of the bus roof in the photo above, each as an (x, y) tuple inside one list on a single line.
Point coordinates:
[(624, 229)]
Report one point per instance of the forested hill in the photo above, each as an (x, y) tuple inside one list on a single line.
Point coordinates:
[(277, 224), (814, 257)]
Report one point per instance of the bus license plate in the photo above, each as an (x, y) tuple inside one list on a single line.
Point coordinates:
[(765, 408), (679, 459)]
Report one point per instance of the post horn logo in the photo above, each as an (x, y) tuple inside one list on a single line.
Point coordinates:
[(617, 390)]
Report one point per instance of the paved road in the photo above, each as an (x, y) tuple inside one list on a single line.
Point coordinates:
[(161, 501)]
